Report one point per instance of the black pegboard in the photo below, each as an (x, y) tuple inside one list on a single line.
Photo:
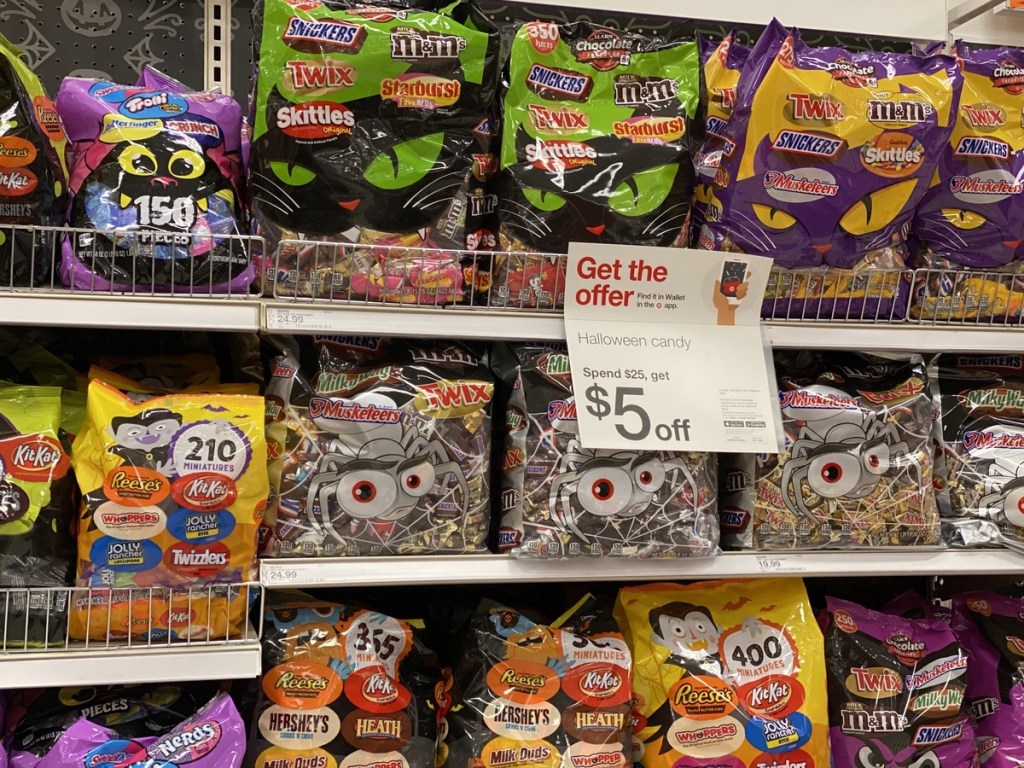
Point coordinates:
[(107, 38)]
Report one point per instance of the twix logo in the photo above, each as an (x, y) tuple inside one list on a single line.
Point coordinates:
[(556, 121)]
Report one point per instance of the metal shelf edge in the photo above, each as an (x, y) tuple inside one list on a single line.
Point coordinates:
[(156, 664), (468, 569)]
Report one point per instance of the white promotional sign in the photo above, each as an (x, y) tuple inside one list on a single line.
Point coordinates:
[(666, 349)]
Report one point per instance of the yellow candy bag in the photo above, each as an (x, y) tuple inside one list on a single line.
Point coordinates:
[(173, 492), (725, 673)]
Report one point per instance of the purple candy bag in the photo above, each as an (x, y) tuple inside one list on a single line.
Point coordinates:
[(214, 737), (991, 626), (895, 689), (974, 213), (825, 157), (154, 156)]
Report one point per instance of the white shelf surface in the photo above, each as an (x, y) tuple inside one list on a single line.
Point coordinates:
[(125, 311), (156, 664), (487, 569)]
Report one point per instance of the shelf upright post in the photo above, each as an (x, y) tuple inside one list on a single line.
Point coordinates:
[(217, 47)]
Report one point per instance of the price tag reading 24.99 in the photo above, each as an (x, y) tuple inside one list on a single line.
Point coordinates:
[(666, 350)]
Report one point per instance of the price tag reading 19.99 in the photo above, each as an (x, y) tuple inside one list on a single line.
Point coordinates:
[(632, 420)]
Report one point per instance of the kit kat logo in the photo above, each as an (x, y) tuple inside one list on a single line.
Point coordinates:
[(650, 130), (1009, 76), (34, 458), (556, 122), (409, 44), (558, 84), (853, 75), (309, 76), (447, 399), (773, 698), (204, 492), (415, 90), (604, 50), (308, 36)]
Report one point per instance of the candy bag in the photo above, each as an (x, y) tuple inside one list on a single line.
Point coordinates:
[(214, 737), (992, 628), (384, 455), (527, 694), (896, 690), (737, 494), (722, 65), (971, 215), (726, 673), (33, 174), (825, 157), (173, 492), (343, 686), (980, 405), (166, 373), (560, 499), (857, 468), (40, 716), (163, 166), (600, 127), (367, 127)]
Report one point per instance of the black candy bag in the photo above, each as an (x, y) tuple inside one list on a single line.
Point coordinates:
[(343, 686), (33, 173)]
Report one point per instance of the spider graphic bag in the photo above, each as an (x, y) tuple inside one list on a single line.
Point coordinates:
[(600, 127), (383, 455), (825, 157), (857, 467), (33, 173), (725, 673), (991, 626), (371, 126), (173, 491), (529, 695), (560, 499), (343, 686), (980, 402), (896, 691), (163, 167)]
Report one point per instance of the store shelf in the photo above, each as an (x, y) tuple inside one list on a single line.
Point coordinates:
[(107, 311), (418, 322), (951, 337), (988, 22), (145, 664), (487, 569)]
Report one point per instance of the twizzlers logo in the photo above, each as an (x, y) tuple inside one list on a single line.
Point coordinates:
[(604, 50)]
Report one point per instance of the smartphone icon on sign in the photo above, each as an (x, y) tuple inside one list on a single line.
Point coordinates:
[(733, 273)]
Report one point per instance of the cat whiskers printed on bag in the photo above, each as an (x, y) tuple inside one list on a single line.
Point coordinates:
[(380, 483)]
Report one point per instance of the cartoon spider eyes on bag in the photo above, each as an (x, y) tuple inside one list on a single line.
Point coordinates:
[(153, 157)]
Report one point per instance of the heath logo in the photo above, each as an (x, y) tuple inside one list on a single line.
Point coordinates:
[(558, 84), (310, 36), (308, 76), (414, 45), (636, 91), (604, 50)]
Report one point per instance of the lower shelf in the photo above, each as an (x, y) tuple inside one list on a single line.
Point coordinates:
[(489, 569), (142, 663)]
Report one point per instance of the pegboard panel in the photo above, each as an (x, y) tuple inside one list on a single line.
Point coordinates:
[(113, 39)]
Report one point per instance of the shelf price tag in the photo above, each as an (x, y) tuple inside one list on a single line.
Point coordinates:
[(666, 349), (297, 319)]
